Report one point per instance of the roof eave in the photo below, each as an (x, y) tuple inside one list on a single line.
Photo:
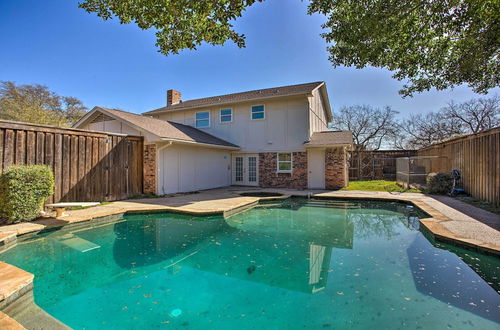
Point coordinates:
[(166, 110), (103, 110), (85, 118), (326, 101), (194, 143), (330, 145)]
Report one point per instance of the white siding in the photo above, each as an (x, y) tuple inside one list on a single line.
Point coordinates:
[(285, 127), (317, 118), (115, 126), (184, 168)]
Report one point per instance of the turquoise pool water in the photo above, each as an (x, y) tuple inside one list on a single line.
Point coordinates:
[(297, 264)]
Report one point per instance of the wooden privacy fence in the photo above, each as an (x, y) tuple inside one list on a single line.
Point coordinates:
[(375, 165), (477, 156), (87, 165)]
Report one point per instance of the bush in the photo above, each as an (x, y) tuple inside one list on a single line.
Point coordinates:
[(439, 183), (23, 190)]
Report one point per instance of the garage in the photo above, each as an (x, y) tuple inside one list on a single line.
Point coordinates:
[(183, 168)]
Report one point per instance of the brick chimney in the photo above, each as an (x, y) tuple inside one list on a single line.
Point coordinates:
[(173, 97)]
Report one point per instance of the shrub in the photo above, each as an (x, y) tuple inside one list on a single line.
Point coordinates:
[(439, 183), (23, 190)]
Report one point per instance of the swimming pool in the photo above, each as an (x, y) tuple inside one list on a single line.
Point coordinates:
[(290, 264)]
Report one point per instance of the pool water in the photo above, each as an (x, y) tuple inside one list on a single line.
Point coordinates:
[(293, 264)]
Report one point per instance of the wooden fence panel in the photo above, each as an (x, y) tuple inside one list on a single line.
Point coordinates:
[(477, 156), (87, 165)]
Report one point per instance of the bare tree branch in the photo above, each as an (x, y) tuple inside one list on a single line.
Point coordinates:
[(370, 126)]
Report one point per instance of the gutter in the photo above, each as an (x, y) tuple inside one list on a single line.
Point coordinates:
[(194, 143), (327, 145)]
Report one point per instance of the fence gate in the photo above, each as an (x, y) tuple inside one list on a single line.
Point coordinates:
[(87, 165)]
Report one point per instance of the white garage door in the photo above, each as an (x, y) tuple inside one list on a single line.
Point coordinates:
[(185, 168)]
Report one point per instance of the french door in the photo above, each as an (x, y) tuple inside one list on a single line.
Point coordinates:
[(246, 170)]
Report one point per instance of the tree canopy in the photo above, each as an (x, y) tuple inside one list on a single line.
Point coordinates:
[(434, 43), (179, 24), (38, 105)]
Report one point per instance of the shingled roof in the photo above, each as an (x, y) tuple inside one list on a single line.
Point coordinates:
[(258, 94), (165, 130), (329, 138)]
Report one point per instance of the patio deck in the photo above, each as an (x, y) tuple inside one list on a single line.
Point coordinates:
[(446, 223)]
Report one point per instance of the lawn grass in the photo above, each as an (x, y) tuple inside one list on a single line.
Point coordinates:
[(377, 185)]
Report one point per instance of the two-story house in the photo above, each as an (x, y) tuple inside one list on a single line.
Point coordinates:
[(273, 137)]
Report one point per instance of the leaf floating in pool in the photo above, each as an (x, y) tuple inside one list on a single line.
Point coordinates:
[(340, 293), (251, 269)]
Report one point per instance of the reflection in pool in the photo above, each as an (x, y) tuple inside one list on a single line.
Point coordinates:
[(290, 264)]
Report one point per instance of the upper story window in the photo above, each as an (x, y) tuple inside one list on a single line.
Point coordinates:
[(202, 119), (226, 115), (284, 162), (258, 112)]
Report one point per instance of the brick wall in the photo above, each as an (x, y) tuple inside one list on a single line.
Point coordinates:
[(149, 167), (268, 177), (336, 169)]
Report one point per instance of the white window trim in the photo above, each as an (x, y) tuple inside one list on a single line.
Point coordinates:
[(220, 116), (264, 112), (278, 162), (196, 120)]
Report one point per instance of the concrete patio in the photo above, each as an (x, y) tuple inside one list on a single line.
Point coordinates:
[(445, 223)]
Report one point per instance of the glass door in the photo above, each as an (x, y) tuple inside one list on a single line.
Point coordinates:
[(246, 170), (238, 170)]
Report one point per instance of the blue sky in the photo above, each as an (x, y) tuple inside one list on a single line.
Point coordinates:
[(77, 54)]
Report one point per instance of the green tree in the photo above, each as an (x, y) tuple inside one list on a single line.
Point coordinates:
[(37, 104), (433, 43), (179, 24)]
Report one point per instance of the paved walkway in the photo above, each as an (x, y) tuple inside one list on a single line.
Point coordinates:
[(488, 218)]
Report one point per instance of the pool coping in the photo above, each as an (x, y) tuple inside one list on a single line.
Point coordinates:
[(22, 281), (434, 223)]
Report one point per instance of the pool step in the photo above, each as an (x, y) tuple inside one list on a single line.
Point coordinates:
[(317, 203), (334, 204), (80, 244)]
